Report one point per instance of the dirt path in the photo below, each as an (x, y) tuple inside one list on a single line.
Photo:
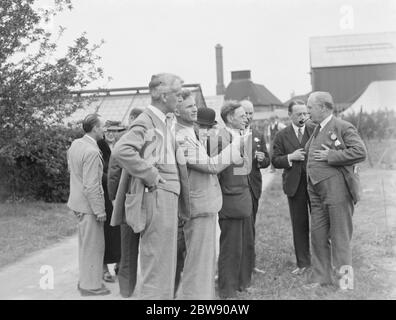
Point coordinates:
[(21, 281)]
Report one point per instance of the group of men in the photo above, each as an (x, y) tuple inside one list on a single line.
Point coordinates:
[(174, 174)]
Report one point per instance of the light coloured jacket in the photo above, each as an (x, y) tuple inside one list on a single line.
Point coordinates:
[(137, 154), (205, 192), (86, 170)]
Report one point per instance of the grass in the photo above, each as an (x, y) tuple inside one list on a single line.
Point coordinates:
[(373, 244), (31, 226), (381, 153)]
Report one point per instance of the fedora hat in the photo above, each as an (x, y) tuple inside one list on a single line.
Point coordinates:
[(114, 126), (206, 116)]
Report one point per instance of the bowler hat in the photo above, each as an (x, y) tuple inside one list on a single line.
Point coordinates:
[(206, 116)]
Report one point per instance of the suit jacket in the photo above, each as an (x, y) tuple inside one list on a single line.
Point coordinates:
[(346, 150), (86, 170), (286, 142), (255, 178), (113, 177), (205, 192), (234, 183), (138, 152)]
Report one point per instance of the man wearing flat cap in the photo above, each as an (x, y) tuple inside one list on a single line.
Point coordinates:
[(333, 149)]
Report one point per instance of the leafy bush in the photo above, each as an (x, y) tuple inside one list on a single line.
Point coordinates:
[(42, 173), (376, 125), (35, 98)]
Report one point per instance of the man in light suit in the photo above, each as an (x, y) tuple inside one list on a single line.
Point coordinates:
[(261, 160), (236, 256), (333, 150), (197, 281), (86, 199), (152, 187), (290, 156)]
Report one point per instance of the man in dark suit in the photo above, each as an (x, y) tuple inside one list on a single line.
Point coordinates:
[(260, 160), (235, 263), (333, 150), (128, 265), (289, 155)]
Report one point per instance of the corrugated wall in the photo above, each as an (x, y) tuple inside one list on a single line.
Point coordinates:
[(346, 82)]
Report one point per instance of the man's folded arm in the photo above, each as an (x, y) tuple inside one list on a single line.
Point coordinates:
[(127, 154)]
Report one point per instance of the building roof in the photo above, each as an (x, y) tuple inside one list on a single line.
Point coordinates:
[(379, 95), (353, 49), (302, 97), (258, 94), (116, 104), (267, 114)]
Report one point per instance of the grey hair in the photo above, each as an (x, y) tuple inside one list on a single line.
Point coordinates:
[(229, 107), (162, 83), (322, 98)]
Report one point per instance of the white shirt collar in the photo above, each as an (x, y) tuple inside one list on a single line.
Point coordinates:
[(94, 141), (234, 132), (324, 122), (189, 130), (296, 129), (158, 113)]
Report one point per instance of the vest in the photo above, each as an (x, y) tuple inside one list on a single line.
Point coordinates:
[(319, 170), (273, 131), (167, 167)]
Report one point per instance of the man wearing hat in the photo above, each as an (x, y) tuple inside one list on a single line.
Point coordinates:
[(206, 127), (113, 132)]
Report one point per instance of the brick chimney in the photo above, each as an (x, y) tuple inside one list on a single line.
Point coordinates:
[(220, 89)]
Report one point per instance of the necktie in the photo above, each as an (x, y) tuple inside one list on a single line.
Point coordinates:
[(168, 122), (317, 129), (299, 135)]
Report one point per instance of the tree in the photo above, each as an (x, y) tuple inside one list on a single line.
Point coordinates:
[(35, 85)]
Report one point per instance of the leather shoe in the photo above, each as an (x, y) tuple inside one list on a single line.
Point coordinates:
[(108, 277), (103, 291)]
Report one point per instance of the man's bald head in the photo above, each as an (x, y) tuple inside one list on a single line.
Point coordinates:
[(323, 98), (320, 105), (249, 110)]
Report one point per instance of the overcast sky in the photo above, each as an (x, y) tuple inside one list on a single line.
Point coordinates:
[(268, 37)]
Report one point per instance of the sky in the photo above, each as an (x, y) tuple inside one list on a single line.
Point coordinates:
[(268, 37)]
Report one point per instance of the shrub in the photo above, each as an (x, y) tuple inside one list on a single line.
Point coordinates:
[(43, 173)]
